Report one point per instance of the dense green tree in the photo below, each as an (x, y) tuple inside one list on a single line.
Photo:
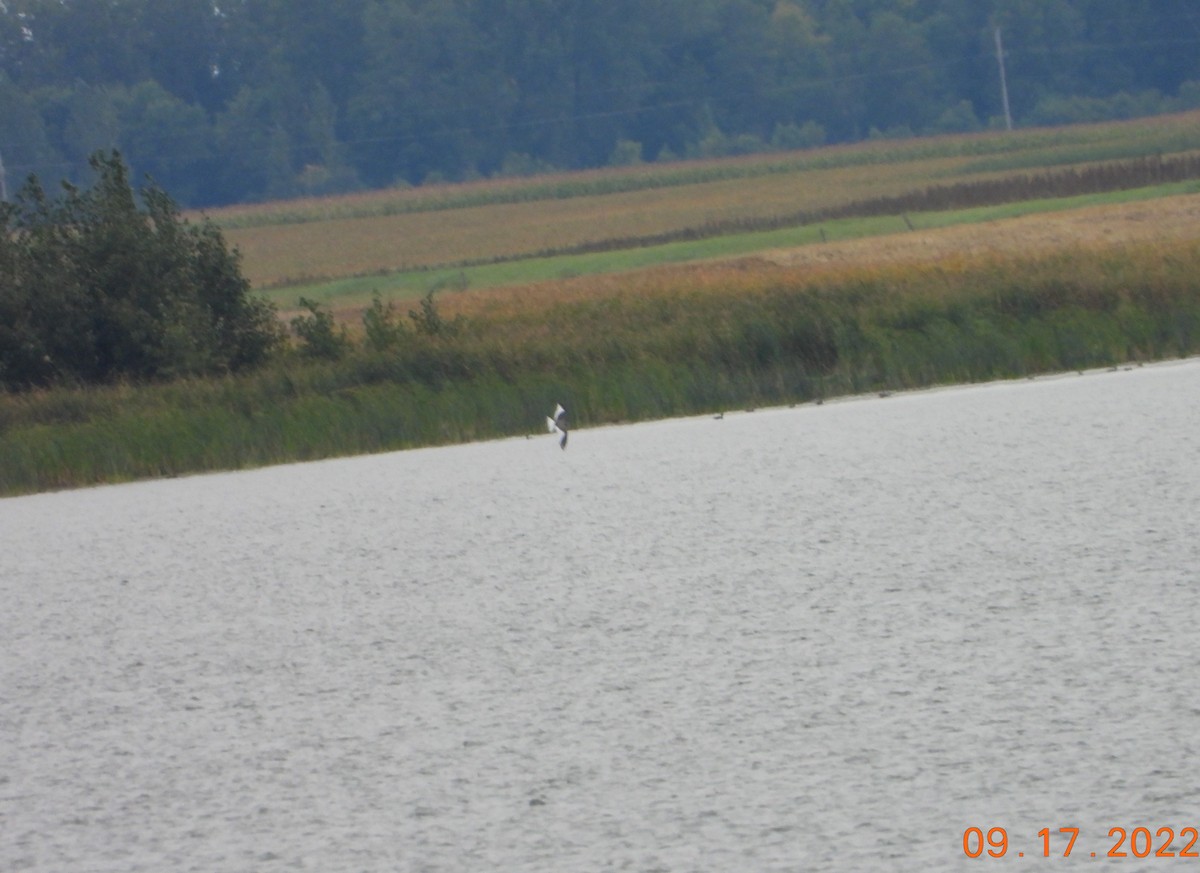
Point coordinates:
[(608, 49), (419, 109), (185, 46), (166, 138), (324, 159), (24, 141), (256, 149), (800, 68), (848, 34), (1045, 43), (961, 44), (95, 287), (81, 119), (290, 44), (903, 89), (88, 42)]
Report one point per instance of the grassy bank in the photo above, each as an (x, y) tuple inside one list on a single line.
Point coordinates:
[(654, 344)]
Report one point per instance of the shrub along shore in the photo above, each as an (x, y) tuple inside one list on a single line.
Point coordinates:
[(649, 345)]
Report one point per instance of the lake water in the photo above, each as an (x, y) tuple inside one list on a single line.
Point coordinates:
[(825, 638)]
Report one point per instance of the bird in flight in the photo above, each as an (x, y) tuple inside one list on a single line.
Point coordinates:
[(558, 424)]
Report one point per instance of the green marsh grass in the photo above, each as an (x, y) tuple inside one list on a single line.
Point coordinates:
[(658, 343)]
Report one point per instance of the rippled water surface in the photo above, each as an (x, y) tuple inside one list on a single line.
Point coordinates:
[(825, 638)]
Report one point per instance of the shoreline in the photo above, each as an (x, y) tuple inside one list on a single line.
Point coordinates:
[(663, 344), (732, 413)]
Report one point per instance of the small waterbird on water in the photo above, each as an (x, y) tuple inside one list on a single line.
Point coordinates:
[(558, 424)]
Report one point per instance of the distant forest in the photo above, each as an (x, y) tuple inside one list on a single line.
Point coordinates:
[(225, 101)]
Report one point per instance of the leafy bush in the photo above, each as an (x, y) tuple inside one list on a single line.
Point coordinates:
[(429, 322), (626, 153), (380, 327), (809, 135), (95, 288), (320, 337)]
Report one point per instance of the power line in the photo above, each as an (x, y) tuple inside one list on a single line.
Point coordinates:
[(1003, 80)]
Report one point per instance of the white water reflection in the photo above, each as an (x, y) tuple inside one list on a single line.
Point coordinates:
[(827, 638)]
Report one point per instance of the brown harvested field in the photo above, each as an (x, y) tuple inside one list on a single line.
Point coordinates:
[(279, 254)]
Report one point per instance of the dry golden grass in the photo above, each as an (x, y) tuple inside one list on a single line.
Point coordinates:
[(1165, 221)]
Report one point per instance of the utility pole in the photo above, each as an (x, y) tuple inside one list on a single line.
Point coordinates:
[(1003, 80), (3, 182)]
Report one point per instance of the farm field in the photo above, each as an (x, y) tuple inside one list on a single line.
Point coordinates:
[(1164, 218), (280, 253), (1020, 230), (402, 243)]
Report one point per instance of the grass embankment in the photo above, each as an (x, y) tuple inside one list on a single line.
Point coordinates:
[(654, 344)]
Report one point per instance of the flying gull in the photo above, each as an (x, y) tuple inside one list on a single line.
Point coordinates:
[(558, 424)]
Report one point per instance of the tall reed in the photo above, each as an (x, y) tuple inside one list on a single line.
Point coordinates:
[(660, 343)]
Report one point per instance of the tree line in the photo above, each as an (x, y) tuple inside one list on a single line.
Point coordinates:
[(244, 100)]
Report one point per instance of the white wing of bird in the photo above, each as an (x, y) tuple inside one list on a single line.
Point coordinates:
[(558, 424)]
